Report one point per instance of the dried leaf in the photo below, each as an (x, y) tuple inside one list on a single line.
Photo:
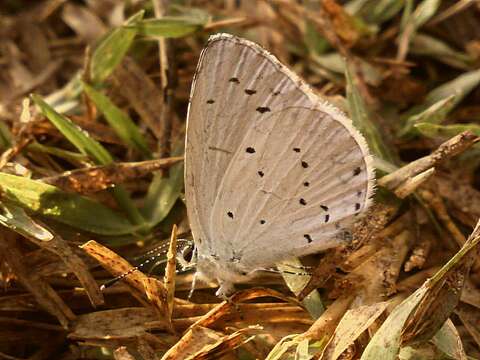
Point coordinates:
[(170, 270), (97, 178)]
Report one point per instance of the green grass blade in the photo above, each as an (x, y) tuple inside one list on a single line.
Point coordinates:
[(296, 282), (385, 344), (435, 114), (79, 138), (5, 136), (71, 156), (170, 26), (446, 131), (88, 146), (336, 63), (162, 195), (121, 123), (384, 10), (112, 48), (361, 119), (67, 208), (426, 45), (448, 341), (423, 12), (459, 87), (16, 219), (375, 12)]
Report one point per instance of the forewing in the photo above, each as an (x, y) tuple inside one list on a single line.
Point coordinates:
[(271, 170)]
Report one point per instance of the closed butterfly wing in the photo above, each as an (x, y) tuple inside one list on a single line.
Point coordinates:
[(272, 171)]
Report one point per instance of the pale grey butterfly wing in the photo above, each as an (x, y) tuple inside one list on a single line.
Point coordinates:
[(272, 171)]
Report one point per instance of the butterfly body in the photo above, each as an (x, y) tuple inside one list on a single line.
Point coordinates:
[(272, 171)]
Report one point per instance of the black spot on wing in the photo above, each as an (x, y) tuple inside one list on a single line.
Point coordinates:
[(308, 237), (250, 91), (230, 214), (250, 150), (263, 109), (234, 80)]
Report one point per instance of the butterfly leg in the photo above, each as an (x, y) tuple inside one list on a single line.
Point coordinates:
[(225, 289), (194, 282)]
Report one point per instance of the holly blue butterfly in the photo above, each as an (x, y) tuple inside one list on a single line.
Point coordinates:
[(272, 171)]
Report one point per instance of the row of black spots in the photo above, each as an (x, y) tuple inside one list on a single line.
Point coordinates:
[(260, 109), (230, 215)]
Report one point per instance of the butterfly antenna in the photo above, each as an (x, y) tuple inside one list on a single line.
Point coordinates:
[(162, 248), (277, 271), (157, 252), (299, 267)]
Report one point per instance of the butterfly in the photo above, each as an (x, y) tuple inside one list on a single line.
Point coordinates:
[(272, 171)]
